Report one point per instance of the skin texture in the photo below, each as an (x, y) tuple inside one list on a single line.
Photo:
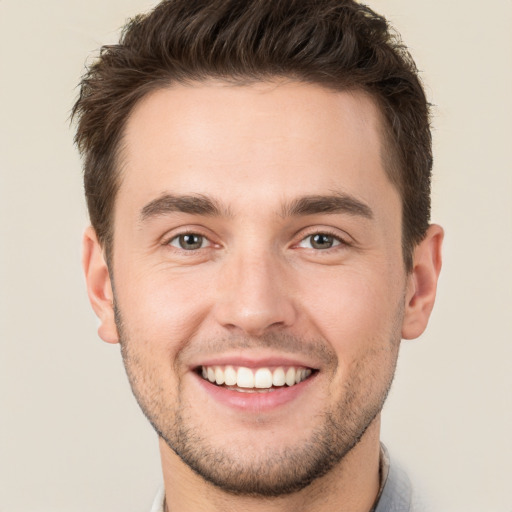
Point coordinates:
[(257, 288)]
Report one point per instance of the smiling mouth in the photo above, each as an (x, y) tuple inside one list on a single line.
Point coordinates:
[(255, 380)]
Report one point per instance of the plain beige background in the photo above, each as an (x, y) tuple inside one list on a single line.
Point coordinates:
[(72, 437)]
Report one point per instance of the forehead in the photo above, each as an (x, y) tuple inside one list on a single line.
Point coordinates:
[(259, 141)]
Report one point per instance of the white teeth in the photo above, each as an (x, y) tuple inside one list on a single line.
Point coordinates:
[(261, 378), (230, 376), (278, 377), (219, 376), (290, 376), (245, 378)]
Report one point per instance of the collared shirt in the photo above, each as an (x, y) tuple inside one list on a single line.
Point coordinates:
[(395, 493)]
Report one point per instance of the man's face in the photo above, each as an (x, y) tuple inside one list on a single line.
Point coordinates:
[(257, 239)]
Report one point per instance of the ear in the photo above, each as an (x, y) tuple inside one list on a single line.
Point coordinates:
[(422, 283), (99, 286)]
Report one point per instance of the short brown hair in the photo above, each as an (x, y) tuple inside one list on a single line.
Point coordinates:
[(340, 44)]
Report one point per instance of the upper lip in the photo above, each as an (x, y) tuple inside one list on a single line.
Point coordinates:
[(254, 362)]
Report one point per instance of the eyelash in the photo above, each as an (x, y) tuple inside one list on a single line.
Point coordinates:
[(168, 241), (340, 241)]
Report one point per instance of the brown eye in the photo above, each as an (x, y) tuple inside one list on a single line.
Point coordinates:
[(188, 241), (320, 241)]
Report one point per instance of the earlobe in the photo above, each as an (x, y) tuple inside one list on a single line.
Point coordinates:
[(99, 286), (422, 283)]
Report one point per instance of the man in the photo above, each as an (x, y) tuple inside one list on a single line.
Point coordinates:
[(258, 181)]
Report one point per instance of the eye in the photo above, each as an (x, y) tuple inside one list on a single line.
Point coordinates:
[(320, 241), (189, 241)]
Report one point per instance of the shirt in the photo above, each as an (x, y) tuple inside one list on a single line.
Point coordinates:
[(395, 493)]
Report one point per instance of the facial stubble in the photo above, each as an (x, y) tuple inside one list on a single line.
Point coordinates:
[(272, 472)]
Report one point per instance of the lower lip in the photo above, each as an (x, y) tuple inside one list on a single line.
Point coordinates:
[(256, 401)]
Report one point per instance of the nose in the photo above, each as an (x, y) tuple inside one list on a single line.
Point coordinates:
[(254, 294)]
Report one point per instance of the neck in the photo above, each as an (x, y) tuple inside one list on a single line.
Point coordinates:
[(351, 486)]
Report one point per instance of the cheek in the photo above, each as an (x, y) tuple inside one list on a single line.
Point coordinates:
[(161, 311), (359, 315), (354, 311)]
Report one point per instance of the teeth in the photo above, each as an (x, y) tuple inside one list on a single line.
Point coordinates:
[(245, 378), (230, 376), (261, 378), (219, 376), (290, 377), (278, 377)]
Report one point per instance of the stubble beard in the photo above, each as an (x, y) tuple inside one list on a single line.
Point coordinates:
[(274, 472)]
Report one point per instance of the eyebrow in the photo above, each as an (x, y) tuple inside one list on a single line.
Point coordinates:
[(336, 203), (192, 204), (302, 206)]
